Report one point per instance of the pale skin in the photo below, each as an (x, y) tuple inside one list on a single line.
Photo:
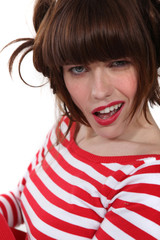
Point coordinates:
[(103, 83)]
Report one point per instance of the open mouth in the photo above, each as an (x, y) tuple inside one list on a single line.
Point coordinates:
[(108, 112)]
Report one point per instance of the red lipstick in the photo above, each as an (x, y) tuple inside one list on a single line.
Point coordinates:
[(107, 118)]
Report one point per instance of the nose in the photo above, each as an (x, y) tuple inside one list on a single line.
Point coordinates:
[(102, 86)]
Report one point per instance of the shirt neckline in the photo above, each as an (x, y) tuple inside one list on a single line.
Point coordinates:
[(85, 155)]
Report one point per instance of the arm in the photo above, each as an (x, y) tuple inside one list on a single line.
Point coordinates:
[(134, 211)]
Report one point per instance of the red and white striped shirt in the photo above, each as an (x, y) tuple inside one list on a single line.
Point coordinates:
[(70, 194)]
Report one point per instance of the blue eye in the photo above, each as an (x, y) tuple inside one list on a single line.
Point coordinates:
[(119, 63), (78, 69)]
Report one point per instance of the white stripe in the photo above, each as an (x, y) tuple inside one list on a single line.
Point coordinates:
[(33, 163), (64, 128), (148, 162), (9, 210), (150, 178), (142, 198), (94, 238), (29, 235), (78, 164), (112, 183), (73, 180), (114, 231), (17, 205), (139, 221), (45, 228), (66, 196), (76, 181), (26, 176), (84, 168), (60, 213), (20, 188), (126, 169), (108, 181)]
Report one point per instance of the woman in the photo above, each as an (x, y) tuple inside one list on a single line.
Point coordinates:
[(98, 174)]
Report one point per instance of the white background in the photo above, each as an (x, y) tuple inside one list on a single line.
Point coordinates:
[(26, 114)]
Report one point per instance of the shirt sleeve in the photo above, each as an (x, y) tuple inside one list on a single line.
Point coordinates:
[(10, 206), (134, 211)]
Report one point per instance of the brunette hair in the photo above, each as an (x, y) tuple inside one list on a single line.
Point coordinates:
[(84, 31)]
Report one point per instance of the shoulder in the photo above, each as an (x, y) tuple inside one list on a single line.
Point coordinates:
[(141, 174), (135, 199), (138, 182), (131, 172)]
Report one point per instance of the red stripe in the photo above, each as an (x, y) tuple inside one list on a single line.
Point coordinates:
[(76, 172), (19, 210), (145, 188), (102, 235), (142, 210), (5, 231), (30, 168), (72, 189), (119, 176), (72, 208), (103, 170), (99, 167), (34, 231), (128, 227), (14, 210), (4, 210), (149, 169), (61, 135), (56, 222), (101, 188), (23, 181)]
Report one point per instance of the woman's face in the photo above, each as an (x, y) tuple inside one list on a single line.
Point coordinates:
[(104, 92)]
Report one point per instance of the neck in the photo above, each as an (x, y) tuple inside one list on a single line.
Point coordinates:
[(135, 129)]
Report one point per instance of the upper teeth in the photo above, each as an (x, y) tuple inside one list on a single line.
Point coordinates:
[(109, 109)]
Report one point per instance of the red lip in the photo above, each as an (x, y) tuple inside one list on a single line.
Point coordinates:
[(109, 105), (110, 120)]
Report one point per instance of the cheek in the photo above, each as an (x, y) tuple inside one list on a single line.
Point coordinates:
[(128, 86), (73, 89), (77, 92), (70, 85)]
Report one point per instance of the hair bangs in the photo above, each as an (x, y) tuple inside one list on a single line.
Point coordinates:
[(93, 32)]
